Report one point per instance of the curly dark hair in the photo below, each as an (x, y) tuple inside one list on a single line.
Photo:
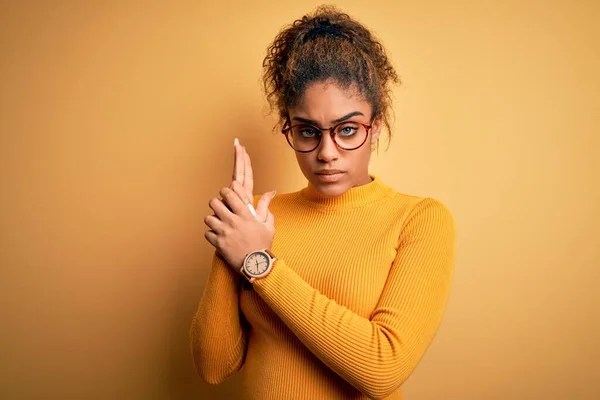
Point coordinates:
[(328, 45)]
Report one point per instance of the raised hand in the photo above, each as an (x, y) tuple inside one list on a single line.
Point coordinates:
[(236, 229)]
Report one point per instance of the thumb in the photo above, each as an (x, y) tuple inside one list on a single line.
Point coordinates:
[(270, 222), (262, 207)]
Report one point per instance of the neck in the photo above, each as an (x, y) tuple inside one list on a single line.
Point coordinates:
[(368, 191)]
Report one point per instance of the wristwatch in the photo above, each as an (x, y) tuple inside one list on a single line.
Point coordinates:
[(257, 264)]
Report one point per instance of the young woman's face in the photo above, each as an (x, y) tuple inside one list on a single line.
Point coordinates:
[(324, 105)]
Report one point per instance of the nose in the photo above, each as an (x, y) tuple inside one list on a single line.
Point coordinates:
[(327, 150)]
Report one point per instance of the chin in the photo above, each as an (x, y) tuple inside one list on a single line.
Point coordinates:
[(331, 189)]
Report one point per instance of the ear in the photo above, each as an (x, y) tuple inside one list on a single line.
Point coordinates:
[(376, 129)]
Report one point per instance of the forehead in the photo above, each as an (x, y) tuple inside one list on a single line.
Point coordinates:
[(327, 101)]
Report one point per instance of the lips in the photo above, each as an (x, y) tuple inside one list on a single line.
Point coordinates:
[(329, 175)]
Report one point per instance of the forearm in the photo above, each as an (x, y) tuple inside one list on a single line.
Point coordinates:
[(218, 335)]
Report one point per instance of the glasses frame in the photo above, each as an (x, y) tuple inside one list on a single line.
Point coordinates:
[(287, 128)]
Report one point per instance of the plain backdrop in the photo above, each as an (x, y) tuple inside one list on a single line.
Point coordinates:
[(116, 127)]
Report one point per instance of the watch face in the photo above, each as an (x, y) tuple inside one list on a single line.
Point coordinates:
[(257, 263)]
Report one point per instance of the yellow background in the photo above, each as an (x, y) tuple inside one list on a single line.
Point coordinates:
[(116, 127)]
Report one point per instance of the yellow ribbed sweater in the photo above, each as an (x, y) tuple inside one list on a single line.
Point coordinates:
[(350, 307)]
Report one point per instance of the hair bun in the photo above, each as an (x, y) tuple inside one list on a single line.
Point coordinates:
[(323, 28)]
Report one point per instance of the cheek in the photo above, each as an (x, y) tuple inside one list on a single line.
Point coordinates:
[(363, 157), (303, 161)]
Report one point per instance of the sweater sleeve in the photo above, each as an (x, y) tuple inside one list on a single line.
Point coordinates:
[(218, 335), (376, 355)]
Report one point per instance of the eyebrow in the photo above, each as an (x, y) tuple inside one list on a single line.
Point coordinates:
[(335, 121)]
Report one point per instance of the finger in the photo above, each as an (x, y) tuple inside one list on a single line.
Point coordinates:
[(214, 223), (225, 204), (235, 202), (220, 209), (238, 162), (239, 190), (262, 207), (270, 221), (211, 237), (248, 174)]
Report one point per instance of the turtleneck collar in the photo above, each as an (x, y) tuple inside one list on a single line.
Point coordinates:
[(354, 197)]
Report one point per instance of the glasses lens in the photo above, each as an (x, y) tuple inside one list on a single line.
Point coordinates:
[(304, 137), (350, 135)]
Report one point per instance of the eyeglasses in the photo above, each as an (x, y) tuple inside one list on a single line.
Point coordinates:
[(347, 135)]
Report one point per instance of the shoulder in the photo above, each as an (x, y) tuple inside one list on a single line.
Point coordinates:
[(421, 215), (429, 220), (429, 207), (419, 207)]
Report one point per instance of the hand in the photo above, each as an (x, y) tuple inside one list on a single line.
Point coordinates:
[(242, 186), (236, 233)]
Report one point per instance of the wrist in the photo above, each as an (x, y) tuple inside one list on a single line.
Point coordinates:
[(257, 265)]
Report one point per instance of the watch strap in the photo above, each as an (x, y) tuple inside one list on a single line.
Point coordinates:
[(273, 258)]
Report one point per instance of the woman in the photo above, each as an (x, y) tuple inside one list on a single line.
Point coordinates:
[(334, 291)]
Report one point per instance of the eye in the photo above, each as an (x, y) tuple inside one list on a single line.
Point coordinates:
[(307, 131), (347, 129)]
